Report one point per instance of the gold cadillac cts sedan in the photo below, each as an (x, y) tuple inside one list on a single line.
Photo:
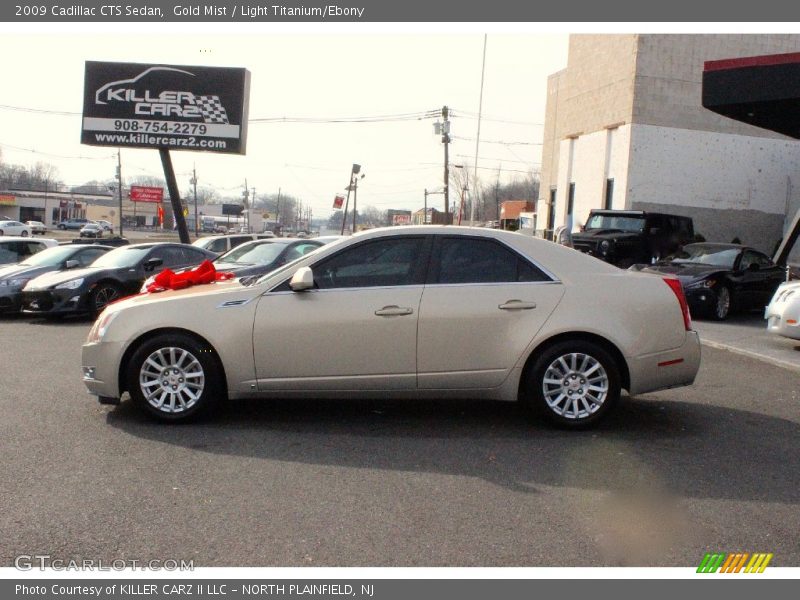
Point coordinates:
[(409, 312)]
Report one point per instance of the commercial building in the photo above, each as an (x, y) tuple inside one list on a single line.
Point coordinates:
[(625, 129)]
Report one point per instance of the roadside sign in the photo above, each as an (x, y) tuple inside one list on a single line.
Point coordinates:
[(165, 106), (140, 193)]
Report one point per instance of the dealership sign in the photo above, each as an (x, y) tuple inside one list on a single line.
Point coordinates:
[(140, 193), (7, 199), (161, 106)]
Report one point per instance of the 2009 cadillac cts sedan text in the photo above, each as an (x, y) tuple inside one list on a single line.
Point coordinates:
[(413, 312)]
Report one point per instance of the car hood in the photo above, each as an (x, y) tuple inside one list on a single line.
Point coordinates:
[(20, 271), (48, 280), (217, 287), (684, 271)]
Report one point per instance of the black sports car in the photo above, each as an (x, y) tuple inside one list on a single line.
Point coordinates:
[(114, 275), (722, 278)]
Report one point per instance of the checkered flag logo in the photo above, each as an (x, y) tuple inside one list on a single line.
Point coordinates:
[(211, 109)]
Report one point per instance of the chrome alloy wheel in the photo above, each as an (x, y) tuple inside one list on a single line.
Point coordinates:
[(575, 385), (171, 380), (723, 306)]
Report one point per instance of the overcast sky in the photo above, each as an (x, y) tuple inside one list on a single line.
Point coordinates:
[(301, 75)]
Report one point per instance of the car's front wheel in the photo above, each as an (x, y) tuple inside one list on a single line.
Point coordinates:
[(103, 295), (722, 307), (24, 233), (573, 383), (174, 377)]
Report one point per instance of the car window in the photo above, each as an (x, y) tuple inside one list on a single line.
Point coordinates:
[(299, 250), (9, 252), (191, 256), (381, 263), (219, 245), (171, 255), (88, 256), (750, 257), (31, 248), (470, 260), (240, 239)]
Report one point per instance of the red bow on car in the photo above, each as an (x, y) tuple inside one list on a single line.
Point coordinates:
[(204, 273)]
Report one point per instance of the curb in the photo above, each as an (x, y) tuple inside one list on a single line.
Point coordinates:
[(750, 354)]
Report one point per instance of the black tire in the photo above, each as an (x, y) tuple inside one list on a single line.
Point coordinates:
[(62, 227), (141, 376), (24, 233), (724, 305), (102, 295), (572, 403)]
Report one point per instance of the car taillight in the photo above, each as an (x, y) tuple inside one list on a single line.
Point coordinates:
[(675, 286)]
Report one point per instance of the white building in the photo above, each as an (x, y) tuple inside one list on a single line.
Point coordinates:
[(625, 129)]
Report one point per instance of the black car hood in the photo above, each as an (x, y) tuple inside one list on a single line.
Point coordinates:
[(686, 272), (49, 280), (24, 272)]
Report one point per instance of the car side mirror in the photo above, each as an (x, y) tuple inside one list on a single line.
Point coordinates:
[(152, 263), (303, 279), (71, 264)]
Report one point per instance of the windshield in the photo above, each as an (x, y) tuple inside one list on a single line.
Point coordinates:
[(623, 223), (706, 255), (50, 257), (121, 257), (254, 253)]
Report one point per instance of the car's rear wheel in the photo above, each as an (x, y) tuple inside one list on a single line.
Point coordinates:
[(722, 308), (24, 233), (174, 377), (573, 383), (103, 295)]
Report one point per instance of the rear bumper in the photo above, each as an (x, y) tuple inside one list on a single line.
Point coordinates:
[(662, 370), (784, 319)]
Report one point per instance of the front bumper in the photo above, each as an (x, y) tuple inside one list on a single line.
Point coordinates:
[(54, 302), (100, 368), (10, 300), (669, 369), (702, 301)]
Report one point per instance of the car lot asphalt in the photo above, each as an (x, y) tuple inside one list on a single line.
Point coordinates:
[(668, 477)]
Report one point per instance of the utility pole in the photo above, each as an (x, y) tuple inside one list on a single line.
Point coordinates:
[(193, 181), (278, 213), (446, 142), (477, 141), (248, 210), (425, 209), (119, 187), (245, 195)]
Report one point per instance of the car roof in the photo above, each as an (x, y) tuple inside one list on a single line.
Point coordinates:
[(19, 238)]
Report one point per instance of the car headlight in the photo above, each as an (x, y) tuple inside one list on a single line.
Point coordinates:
[(100, 326), (605, 246), (72, 284), (705, 283), (14, 282)]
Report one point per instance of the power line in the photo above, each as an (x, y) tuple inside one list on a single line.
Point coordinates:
[(21, 149)]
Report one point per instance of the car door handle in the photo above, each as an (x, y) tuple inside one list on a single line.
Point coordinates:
[(393, 311), (517, 305)]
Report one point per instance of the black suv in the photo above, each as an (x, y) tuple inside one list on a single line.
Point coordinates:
[(626, 237)]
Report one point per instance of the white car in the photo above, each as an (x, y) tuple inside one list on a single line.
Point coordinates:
[(37, 227), (783, 312), (15, 228), (412, 312), (14, 249)]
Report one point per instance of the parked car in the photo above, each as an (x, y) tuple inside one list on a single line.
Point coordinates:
[(92, 230), (420, 312), (222, 243), (106, 225), (106, 241), (15, 249), (783, 311), (57, 258), (258, 257), (114, 275), (76, 224), (37, 227), (15, 228), (626, 237), (719, 279)]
